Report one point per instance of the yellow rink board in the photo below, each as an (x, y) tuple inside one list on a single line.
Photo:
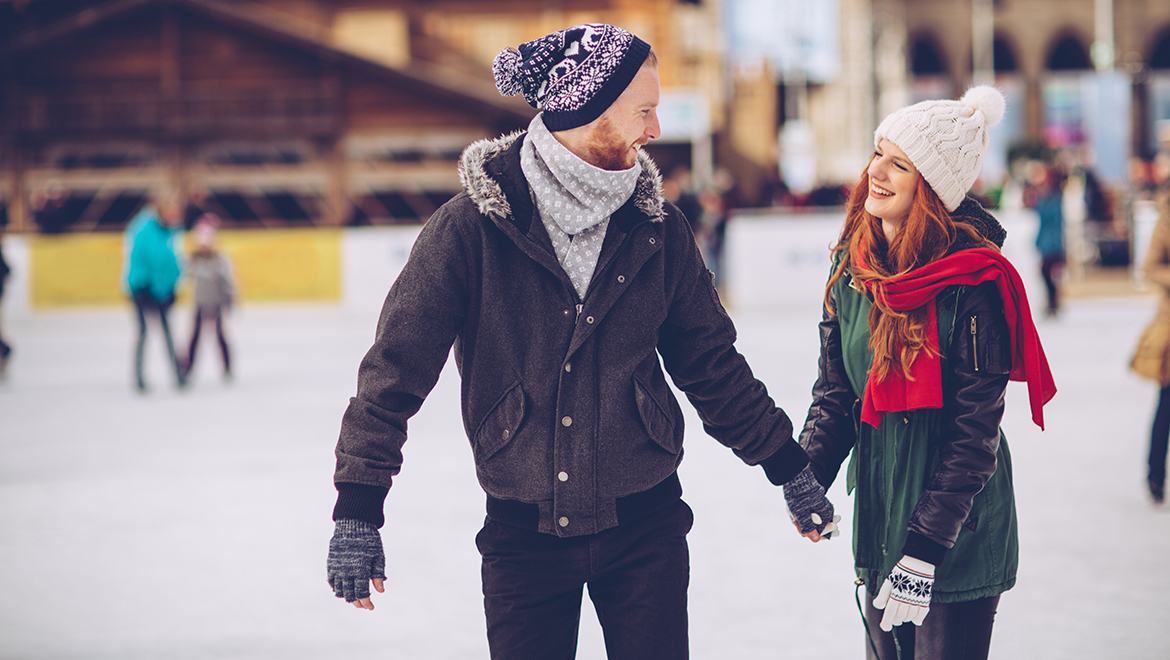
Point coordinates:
[(270, 265)]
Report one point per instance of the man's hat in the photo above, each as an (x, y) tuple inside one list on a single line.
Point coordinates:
[(573, 75)]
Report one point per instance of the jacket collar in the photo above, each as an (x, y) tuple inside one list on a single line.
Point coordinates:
[(490, 173), (971, 212)]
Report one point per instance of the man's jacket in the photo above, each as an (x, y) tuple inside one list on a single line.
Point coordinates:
[(564, 400)]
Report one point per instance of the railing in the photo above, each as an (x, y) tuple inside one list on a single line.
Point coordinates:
[(304, 111)]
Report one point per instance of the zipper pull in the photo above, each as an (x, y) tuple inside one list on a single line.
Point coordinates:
[(974, 344), (580, 306)]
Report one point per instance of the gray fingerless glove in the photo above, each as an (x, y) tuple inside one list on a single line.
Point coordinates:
[(807, 503), (355, 557)]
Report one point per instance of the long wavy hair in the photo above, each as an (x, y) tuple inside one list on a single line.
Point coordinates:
[(927, 234)]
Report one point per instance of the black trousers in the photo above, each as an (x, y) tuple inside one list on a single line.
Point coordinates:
[(1050, 268), (951, 631), (637, 574), (145, 305), (1159, 439), (202, 315)]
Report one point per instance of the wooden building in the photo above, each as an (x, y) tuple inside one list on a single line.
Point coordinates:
[(273, 112)]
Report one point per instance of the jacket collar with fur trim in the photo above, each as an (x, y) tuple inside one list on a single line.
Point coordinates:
[(480, 169)]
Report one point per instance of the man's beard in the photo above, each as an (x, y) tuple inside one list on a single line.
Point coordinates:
[(606, 151)]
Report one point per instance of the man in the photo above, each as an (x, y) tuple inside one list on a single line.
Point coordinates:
[(561, 276)]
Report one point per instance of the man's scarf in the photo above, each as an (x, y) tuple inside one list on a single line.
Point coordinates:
[(575, 199), (921, 286)]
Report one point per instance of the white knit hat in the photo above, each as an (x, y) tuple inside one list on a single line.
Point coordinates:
[(945, 139)]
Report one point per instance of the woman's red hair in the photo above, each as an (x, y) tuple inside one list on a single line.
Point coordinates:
[(927, 234)]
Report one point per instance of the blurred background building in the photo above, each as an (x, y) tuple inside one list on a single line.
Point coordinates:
[(311, 113)]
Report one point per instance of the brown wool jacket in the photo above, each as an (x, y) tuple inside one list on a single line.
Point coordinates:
[(565, 400)]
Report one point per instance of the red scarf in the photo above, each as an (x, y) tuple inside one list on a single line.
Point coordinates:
[(920, 287)]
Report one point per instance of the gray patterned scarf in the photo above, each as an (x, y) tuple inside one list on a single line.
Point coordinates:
[(574, 198)]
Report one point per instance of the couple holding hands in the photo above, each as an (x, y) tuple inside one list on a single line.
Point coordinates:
[(570, 289)]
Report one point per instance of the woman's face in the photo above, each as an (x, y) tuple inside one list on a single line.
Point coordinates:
[(893, 180)]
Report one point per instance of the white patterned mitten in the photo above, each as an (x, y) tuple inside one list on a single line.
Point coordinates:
[(905, 595)]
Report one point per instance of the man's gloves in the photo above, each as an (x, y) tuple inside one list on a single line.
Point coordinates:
[(808, 505), (355, 557), (905, 595)]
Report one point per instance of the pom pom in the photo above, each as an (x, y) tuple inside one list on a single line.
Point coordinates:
[(988, 100), (506, 69)]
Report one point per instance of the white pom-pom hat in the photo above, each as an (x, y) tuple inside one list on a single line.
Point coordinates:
[(946, 140)]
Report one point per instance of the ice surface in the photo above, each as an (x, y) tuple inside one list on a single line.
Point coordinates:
[(194, 524)]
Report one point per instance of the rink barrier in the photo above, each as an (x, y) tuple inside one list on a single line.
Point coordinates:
[(772, 259), (270, 265)]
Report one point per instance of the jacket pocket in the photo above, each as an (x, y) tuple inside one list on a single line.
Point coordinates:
[(658, 423), (502, 423)]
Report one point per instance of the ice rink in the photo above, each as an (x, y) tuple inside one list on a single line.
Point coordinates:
[(194, 524)]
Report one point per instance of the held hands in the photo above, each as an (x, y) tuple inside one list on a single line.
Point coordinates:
[(905, 595), (811, 511), (355, 559)]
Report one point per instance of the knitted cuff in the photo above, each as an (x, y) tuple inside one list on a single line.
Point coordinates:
[(785, 463), (920, 547), (360, 502)]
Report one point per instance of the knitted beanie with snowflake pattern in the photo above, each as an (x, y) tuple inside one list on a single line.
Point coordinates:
[(571, 76), (946, 140)]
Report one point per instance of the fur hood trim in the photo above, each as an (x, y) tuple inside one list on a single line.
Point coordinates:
[(490, 199)]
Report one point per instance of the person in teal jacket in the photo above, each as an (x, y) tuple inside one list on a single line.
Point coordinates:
[(150, 275), (925, 322)]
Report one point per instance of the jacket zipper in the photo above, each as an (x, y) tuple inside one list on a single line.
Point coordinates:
[(580, 306), (974, 344)]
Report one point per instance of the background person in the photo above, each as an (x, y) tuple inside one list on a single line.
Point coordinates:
[(5, 271), (150, 274), (565, 282), (214, 291), (1157, 271), (1046, 198), (924, 323)]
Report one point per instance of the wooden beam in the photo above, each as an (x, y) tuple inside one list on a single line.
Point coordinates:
[(81, 21)]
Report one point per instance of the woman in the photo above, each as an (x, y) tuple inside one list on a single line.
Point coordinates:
[(1157, 270), (924, 325), (151, 272)]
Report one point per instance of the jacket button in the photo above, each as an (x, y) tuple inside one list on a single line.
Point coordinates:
[(563, 476), (652, 241), (566, 312), (589, 319), (566, 421), (621, 278), (563, 521), (568, 366)]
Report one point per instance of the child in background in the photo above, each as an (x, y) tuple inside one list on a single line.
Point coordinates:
[(214, 289)]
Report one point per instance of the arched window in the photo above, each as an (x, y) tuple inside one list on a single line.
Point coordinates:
[(925, 58), (1160, 58), (1004, 57), (1069, 55)]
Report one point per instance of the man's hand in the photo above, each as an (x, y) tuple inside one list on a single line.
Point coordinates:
[(905, 595), (355, 559), (811, 511)]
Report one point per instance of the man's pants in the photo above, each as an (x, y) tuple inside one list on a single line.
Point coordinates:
[(951, 631), (637, 575)]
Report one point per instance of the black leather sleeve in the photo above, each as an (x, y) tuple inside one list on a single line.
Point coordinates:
[(975, 377), (829, 432)]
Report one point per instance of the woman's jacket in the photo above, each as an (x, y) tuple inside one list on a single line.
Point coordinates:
[(935, 484)]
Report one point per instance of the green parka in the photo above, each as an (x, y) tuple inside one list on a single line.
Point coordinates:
[(935, 484)]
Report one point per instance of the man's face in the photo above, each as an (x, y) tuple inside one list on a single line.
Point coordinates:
[(613, 140)]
